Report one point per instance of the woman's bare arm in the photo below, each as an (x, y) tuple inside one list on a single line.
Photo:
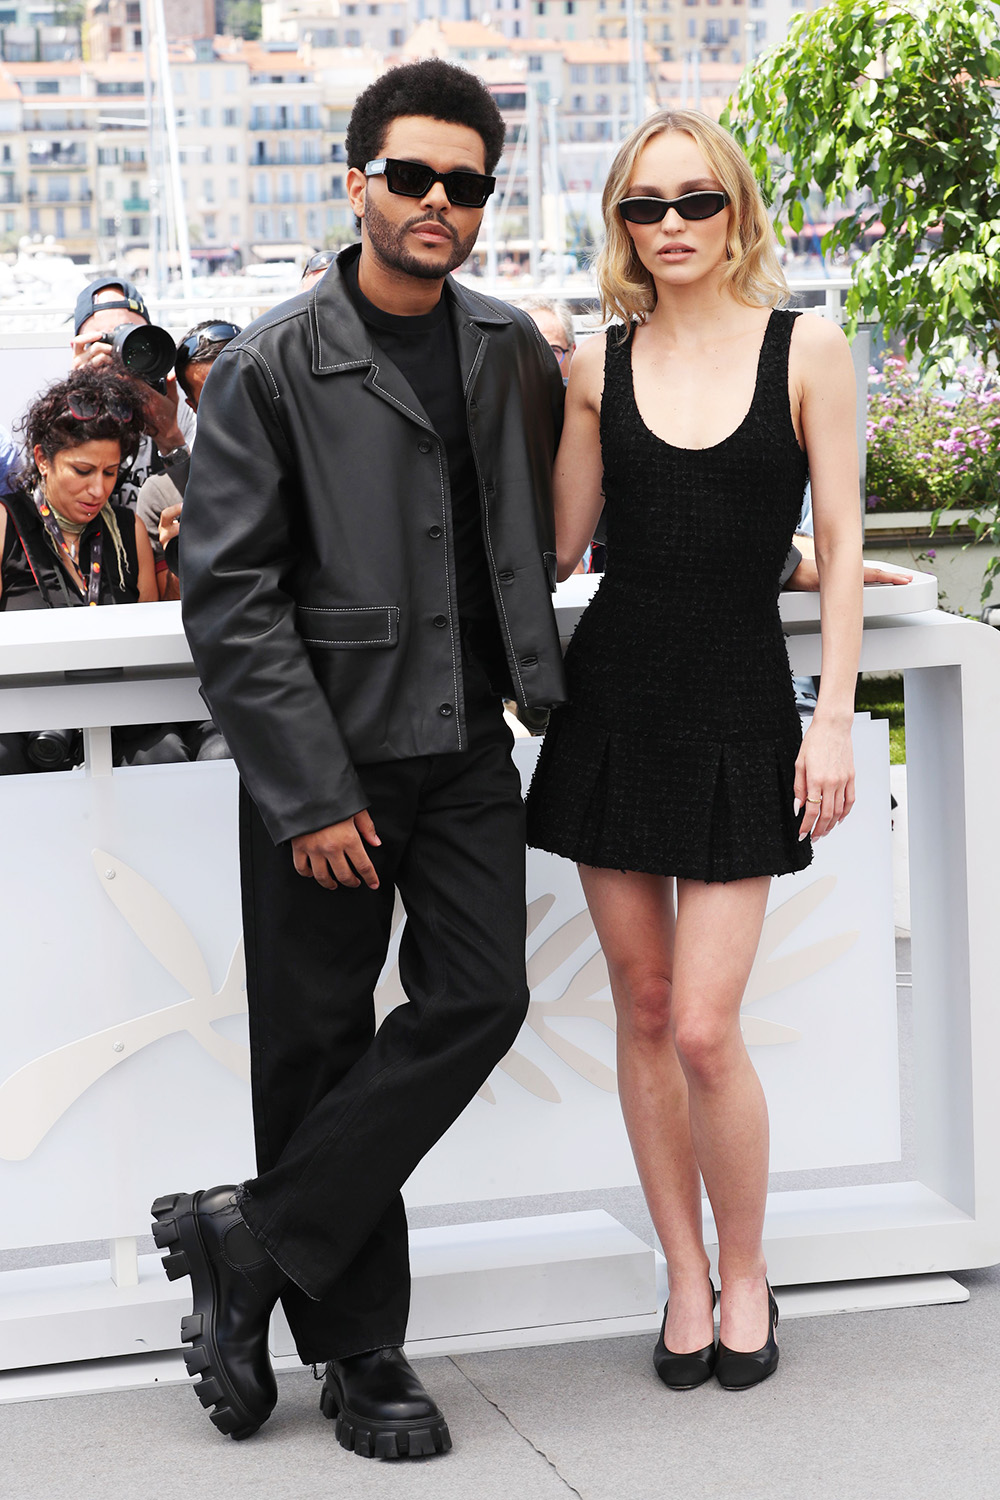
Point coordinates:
[(579, 471), (823, 373)]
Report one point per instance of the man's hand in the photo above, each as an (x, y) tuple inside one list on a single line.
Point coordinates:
[(170, 523), (805, 579), (336, 855), (90, 351)]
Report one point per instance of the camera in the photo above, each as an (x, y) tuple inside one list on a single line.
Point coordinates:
[(146, 351), (54, 749)]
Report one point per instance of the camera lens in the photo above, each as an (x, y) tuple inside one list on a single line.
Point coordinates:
[(146, 351), (53, 749)]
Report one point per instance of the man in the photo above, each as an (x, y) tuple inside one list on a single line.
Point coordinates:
[(100, 308), (367, 552), (554, 320), (158, 505)]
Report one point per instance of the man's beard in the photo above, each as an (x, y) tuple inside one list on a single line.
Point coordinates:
[(388, 242)]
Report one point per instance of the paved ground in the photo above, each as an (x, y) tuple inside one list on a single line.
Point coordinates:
[(894, 1405), (878, 1406)]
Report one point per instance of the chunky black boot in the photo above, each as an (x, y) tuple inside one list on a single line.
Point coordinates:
[(235, 1285), (381, 1407)]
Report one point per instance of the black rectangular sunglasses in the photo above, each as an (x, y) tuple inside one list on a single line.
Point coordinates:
[(412, 179), (703, 205)]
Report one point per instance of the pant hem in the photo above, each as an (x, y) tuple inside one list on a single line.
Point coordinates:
[(244, 1202)]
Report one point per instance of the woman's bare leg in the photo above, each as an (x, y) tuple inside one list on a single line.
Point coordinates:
[(717, 934), (634, 918)]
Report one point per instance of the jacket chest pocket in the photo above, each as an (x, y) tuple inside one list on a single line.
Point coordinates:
[(347, 627)]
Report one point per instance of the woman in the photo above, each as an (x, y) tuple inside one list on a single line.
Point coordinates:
[(678, 758), (63, 543)]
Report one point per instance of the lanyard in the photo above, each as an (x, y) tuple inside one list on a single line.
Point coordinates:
[(92, 586)]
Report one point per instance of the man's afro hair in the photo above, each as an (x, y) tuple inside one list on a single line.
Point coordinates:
[(432, 88)]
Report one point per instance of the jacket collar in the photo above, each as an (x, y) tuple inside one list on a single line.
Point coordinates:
[(340, 340)]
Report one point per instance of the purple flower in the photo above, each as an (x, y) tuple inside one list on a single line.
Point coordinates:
[(886, 422), (871, 502), (930, 553)]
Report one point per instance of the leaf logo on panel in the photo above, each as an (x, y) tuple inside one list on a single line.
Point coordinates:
[(38, 1094)]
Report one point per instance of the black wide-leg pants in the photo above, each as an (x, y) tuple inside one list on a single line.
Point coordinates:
[(342, 1113)]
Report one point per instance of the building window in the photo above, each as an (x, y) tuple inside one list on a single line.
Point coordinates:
[(602, 73), (230, 84), (395, 37), (60, 223), (109, 189), (233, 187), (135, 228), (262, 224), (209, 226), (232, 154), (234, 226), (230, 117), (337, 187), (85, 216), (577, 73), (288, 230), (352, 38), (262, 191), (204, 84), (206, 155), (534, 62), (205, 119), (208, 190)]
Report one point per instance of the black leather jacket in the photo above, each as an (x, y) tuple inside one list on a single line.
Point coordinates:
[(316, 549)]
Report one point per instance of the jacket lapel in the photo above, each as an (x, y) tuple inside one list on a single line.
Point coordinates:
[(341, 342)]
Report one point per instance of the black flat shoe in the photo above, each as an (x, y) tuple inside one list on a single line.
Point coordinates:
[(683, 1372), (381, 1407), (737, 1371), (235, 1285)]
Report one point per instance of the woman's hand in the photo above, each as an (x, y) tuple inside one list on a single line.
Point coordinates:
[(824, 777)]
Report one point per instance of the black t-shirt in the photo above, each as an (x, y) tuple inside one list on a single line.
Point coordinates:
[(423, 349)]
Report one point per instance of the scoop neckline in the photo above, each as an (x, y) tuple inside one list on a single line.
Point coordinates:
[(736, 430)]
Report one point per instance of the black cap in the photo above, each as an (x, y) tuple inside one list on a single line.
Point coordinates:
[(130, 300)]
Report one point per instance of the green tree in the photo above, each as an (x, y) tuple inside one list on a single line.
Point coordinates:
[(238, 18), (897, 104)]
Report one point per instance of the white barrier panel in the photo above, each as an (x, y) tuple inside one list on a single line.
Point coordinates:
[(124, 1059)]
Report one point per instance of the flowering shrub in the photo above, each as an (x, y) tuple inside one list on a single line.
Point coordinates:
[(927, 451)]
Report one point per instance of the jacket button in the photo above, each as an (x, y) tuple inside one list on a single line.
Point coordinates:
[(529, 661), (434, 532), (424, 446), (506, 577), (440, 621), (446, 710)]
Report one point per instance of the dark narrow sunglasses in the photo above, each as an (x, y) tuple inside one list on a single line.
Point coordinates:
[(412, 179), (691, 206), (202, 341), (85, 408)]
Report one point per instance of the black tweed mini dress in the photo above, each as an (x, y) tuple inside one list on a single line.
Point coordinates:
[(675, 754)]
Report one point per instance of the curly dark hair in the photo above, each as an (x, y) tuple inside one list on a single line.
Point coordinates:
[(432, 88), (49, 423)]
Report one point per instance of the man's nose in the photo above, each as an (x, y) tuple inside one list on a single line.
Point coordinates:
[(436, 198)]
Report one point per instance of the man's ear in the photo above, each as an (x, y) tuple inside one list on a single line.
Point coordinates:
[(357, 183)]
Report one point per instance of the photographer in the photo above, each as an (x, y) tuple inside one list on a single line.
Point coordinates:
[(63, 543), (159, 502), (102, 307)]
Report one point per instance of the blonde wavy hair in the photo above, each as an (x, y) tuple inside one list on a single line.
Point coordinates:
[(752, 272)]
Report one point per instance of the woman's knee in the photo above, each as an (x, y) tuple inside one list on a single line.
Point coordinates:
[(643, 1005), (705, 1044)]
